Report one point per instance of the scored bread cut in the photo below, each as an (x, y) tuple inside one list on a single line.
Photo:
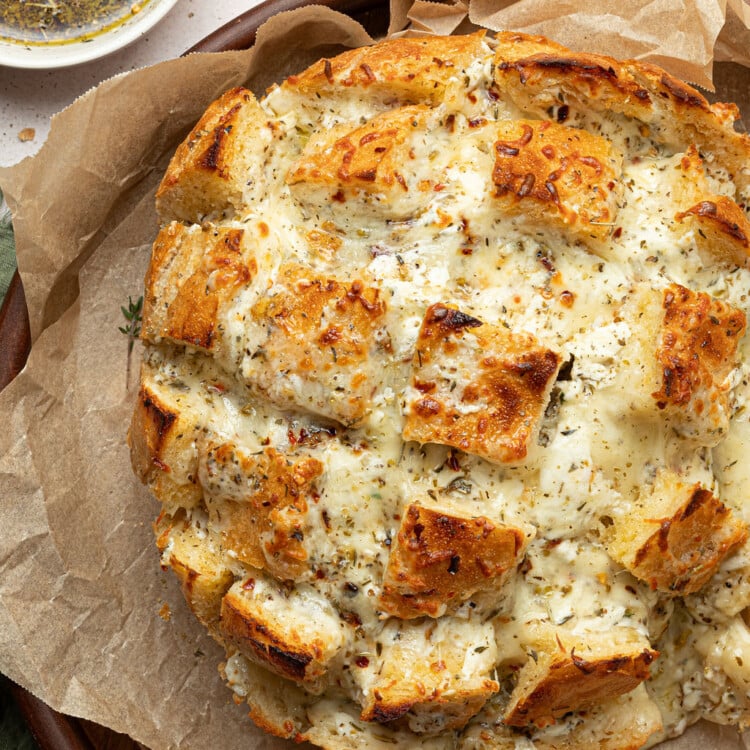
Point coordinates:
[(444, 396)]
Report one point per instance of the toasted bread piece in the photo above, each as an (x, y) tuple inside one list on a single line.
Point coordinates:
[(696, 353), (412, 69), (276, 705), (218, 168), (295, 635), (557, 176), (442, 556), (320, 338), (477, 387), (676, 114), (721, 230), (624, 723), (679, 359), (387, 167), (194, 556), (434, 677), (676, 536), (163, 451), (577, 672), (260, 504), (193, 276)]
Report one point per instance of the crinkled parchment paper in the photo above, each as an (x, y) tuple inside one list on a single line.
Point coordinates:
[(81, 591)]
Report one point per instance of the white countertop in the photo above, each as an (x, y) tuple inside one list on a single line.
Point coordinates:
[(29, 98)]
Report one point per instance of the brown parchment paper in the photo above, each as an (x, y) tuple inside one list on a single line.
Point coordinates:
[(81, 591)]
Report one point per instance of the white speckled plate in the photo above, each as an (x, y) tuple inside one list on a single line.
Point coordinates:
[(60, 55)]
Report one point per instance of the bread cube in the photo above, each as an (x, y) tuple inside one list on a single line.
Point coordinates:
[(194, 275), (557, 177), (294, 634), (316, 341), (572, 673), (260, 502), (219, 168), (721, 230), (676, 536), (162, 438), (442, 557), (194, 556), (432, 676), (677, 364), (387, 167), (477, 387)]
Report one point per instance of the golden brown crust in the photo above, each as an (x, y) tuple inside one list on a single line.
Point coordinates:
[(697, 348), (551, 173), (159, 438), (675, 113), (625, 723), (677, 536), (722, 231), (422, 682), (321, 331), (276, 640), (577, 675), (677, 363), (199, 567), (526, 64), (414, 69), (192, 276), (688, 548), (369, 158), (505, 381), (266, 526), (210, 169), (442, 558)]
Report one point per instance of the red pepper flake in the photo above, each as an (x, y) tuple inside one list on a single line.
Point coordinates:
[(567, 298), (362, 661), (367, 70)]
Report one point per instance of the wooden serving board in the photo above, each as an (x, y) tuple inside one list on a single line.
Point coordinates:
[(53, 730)]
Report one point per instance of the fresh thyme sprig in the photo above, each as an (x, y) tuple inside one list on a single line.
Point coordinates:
[(133, 315)]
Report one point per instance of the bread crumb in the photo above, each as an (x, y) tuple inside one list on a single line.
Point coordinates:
[(27, 134), (165, 613)]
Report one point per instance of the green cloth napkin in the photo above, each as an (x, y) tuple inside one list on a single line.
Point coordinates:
[(14, 734), (7, 249)]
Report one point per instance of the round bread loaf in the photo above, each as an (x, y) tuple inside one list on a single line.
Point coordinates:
[(444, 397)]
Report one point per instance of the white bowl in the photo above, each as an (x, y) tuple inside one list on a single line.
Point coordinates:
[(60, 55)]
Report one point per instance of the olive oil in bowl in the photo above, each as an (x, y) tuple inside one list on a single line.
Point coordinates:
[(44, 22)]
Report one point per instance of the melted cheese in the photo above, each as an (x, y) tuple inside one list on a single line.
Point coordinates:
[(418, 223)]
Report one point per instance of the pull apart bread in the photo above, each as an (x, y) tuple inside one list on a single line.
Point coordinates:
[(445, 398)]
